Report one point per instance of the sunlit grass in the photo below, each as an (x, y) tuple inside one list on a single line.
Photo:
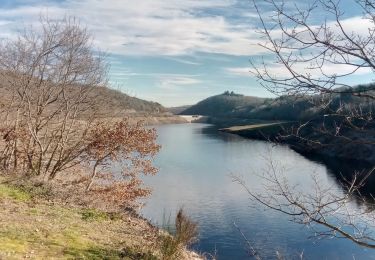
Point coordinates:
[(33, 228), (14, 193)]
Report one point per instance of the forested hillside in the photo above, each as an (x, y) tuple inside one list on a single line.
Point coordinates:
[(284, 108), (228, 103)]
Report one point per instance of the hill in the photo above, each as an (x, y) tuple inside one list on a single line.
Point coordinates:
[(226, 104), (312, 107), (105, 99), (177, 110), (105, 102), (286, 108), (116, 102), (349, 111)]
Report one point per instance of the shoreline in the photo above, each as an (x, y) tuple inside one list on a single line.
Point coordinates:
[(37, 224), (270, 131), (360, 153)]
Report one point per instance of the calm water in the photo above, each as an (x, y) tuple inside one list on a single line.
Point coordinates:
[(195, 166)]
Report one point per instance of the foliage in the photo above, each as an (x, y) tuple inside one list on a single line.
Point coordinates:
[(132, 147), (47, 72), (186, 229), (186, 232), (52, 123), (232, 93), (222, 105)]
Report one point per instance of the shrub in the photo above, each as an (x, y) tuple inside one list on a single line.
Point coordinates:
[(49, 126), (185, 234)]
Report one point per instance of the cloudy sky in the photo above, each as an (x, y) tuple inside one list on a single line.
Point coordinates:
[(174, 52)]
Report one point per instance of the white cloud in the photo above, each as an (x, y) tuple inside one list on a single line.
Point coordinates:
[(173, 82), (152, 27), (281, 71), (238, 71), (159, 27), (185, 61), (4, 22)]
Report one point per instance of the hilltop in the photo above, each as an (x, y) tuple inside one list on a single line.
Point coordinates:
[(226, 104), (278, 118), (231, 105), (115, 101), (178, 110)]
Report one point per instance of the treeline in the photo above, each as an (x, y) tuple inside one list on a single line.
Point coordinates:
[(226, 104), (292, 108)]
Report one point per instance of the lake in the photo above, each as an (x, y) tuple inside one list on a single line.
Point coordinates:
[(196, 162)]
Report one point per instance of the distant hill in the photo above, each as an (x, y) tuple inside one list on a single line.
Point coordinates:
[(226, 104), (177, 110), (282, 108), (107, 101), (310, 107), (231, 105), (114, 101)]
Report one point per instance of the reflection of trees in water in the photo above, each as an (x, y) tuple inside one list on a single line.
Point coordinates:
[(213, 132), (343, 172), (305, 48), (325, 210)]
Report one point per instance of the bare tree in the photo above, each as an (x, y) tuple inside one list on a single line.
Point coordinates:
[(326, 211), (306, 51), (312, 62), (47, 74), (50, 123)]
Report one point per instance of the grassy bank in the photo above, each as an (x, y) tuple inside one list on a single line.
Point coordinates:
[(31, 227)]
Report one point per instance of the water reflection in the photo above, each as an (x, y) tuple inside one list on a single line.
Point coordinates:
[(213, 132), (343, 172), (195, 163)]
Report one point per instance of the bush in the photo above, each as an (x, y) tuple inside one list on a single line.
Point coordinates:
[(186, 233), (50, 127)]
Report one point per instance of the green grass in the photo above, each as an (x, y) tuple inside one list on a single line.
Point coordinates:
[(93, 253), (131, 254), (65, 246), (14, 193), (94, 215), (31, 227)]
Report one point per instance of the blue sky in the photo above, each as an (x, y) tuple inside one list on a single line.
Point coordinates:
[(175, 52)]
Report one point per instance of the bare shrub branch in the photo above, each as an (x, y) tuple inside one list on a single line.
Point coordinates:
[(325, 210), (50, 124)]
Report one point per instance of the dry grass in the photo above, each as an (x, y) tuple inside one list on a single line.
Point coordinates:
[(185, 233), (31, 227)]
